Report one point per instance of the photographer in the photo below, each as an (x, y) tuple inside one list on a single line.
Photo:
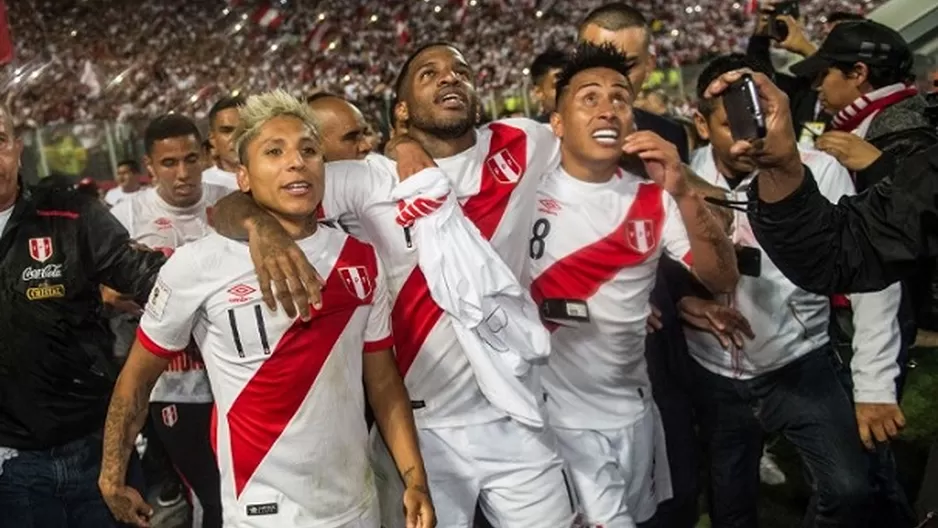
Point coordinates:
[(864, 242)]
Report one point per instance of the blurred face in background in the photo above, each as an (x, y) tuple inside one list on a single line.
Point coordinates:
[(439, 97), (632, 42), (10, 150), (342, 129), (221, 136), (837, 90), (545, 91), (716, 128), (175, 166), (127, 179), (593, 118)]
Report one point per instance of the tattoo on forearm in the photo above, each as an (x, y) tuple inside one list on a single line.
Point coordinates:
[(230, 212), (709, 228), (124, 418)]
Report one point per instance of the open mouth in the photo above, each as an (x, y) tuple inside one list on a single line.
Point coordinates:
[(452, 101), (606, 136), (297, 188)]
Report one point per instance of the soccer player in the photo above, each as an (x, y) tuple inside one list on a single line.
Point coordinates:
[(341, 126), (474, 452), (222, 120), (598, 234), (175, 211), (128, 182), (290, 433)]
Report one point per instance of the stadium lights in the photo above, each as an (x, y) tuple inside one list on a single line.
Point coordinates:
[(244, 16), (472, 3), (225, 11), (235, 93), (273, 47), (73, 33), (675, 32), (194, 98), (526, 72), (539, 13), (322, 16), (347, 78), (698, 9), (736, 5), (333, 44), (238, 27), (374, 18), (437, 9)]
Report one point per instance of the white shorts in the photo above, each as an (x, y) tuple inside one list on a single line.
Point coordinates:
[(514, 472), (619, 475), (368, 519)]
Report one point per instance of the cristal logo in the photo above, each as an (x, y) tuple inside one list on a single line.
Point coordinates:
[(52, 271)]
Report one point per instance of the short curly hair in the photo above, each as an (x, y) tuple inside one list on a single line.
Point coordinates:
[(588, 56)]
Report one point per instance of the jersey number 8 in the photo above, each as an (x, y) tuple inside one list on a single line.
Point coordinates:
[(539, 233)]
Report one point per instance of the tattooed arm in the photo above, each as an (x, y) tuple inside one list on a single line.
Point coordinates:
[(125, 417), (395, 420), (714, 255)]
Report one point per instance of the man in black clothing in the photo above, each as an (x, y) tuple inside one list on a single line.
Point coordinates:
[(56, 376), (627, 29), (543, 73)]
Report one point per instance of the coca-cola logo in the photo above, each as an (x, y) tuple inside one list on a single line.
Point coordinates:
[(51, 271)]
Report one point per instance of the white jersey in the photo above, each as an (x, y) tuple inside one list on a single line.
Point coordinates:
[(289, 430), (158, 225), (222, 178), (495, 181), (600, 243), (789, 322), (117, 195)]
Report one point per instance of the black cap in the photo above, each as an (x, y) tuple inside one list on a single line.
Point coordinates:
[(863, 41)]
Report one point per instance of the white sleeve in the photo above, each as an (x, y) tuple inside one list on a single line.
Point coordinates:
[(876, 345), (353, 185), (674, 233), (378, 332), (170, 313), (876, 338), (121, 212)]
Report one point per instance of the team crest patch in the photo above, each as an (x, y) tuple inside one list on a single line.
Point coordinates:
[(170, 415), (640, 235), (356, 281), (40, 249), (504, 166)]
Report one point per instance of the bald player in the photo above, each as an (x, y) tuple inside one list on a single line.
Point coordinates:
[(626, 28), (341, 126)]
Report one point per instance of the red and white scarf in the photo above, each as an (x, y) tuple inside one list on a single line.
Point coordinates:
[(866, 105)]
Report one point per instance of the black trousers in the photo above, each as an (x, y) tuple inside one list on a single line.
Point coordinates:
[(184, 429)]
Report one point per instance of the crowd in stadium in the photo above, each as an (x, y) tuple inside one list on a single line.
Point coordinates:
[(614, 311), (86, 60)]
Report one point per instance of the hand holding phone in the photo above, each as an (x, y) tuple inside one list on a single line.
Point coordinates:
[(743, 110)]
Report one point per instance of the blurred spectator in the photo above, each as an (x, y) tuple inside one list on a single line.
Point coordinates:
[(127, 178), (77, 61), (543, 73), (342, 128)]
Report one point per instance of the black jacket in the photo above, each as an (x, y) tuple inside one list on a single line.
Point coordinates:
[(56, 373), (864, 242), (668, 129)]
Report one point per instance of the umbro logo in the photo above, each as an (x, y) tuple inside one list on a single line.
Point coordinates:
[(240, 293)]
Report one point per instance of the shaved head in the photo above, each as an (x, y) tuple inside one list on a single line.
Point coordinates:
[(342, 128)]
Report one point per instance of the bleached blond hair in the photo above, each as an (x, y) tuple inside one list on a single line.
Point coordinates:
[(259, 109)]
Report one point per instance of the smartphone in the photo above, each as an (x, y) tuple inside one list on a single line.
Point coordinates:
[(777, 29), (743, 110), (749, 261)]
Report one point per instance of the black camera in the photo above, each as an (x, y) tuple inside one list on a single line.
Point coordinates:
[(778, 30), (743, 110)]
